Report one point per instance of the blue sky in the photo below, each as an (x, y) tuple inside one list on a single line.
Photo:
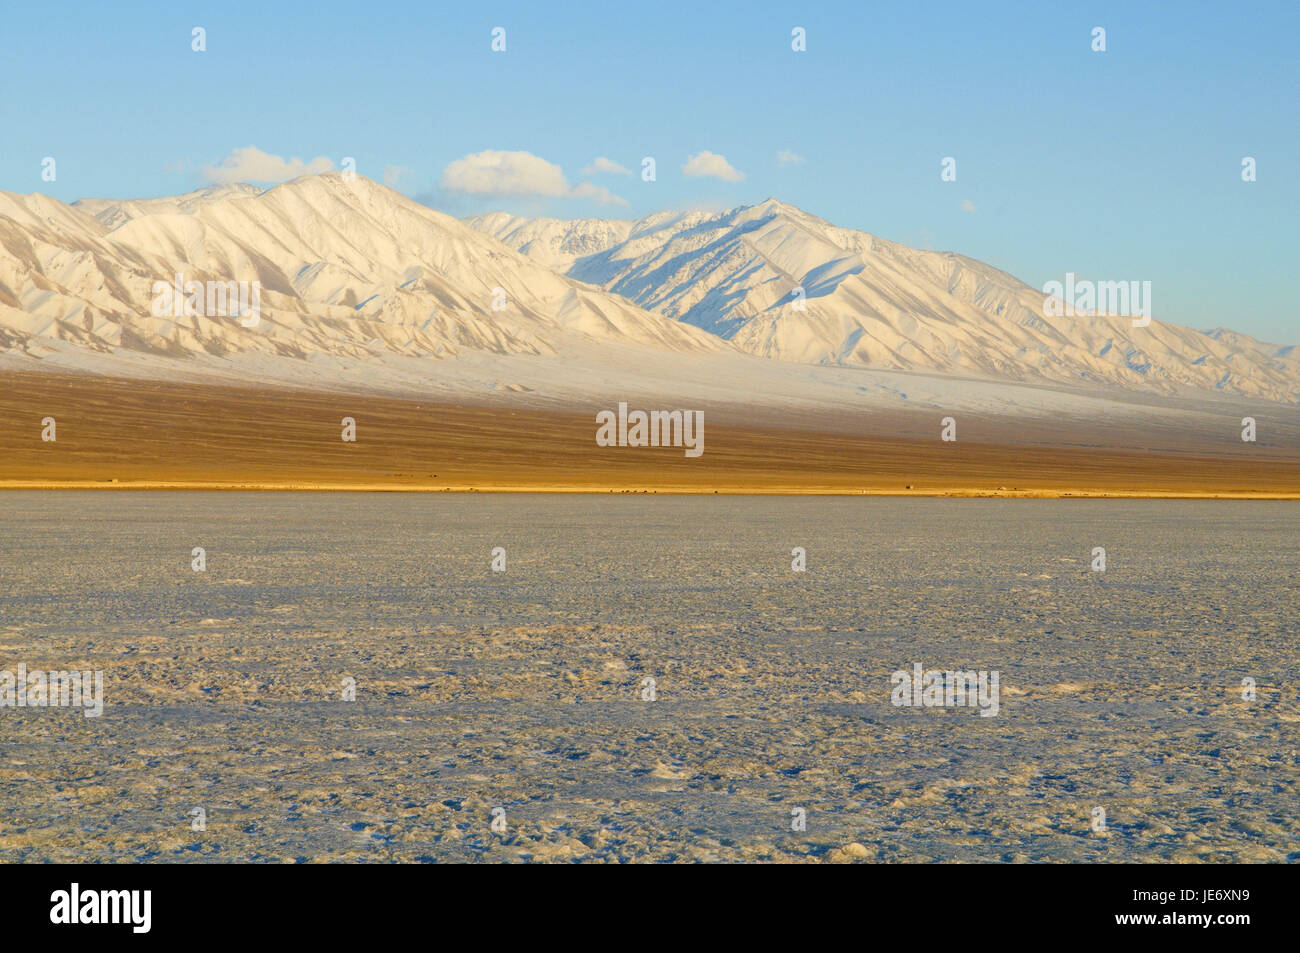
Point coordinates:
[(1117, 165)]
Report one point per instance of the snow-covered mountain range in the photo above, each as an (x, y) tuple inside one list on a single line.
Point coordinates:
[(346, 267), (353, 276), (866, 301)]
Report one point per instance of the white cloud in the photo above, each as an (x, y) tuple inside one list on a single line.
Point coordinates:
[(251, 164), (786, 157), (712, 165), (394, 174), (598, 193), (494, 173), (967, 205), (504, 173), (601, 165)]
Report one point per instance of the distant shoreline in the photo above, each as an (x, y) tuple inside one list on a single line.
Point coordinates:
[(950, 493)]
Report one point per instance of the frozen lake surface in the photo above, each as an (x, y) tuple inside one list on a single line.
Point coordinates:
[(523, 690)]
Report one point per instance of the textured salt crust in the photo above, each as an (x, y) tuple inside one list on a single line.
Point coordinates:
[(522, 690)]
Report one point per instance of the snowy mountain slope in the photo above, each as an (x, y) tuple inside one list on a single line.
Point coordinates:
[(875, 303), (111, 212), (359, 283), (346, 268), (552, 242)]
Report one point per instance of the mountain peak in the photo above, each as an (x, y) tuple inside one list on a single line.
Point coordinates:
[(347, 270), (864, 301), (351, 269)]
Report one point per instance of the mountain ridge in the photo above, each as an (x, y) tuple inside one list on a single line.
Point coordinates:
[(868, 301), (345, 266), (350, 270)]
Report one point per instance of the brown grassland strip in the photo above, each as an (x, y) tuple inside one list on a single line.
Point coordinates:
[(117, 433)]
